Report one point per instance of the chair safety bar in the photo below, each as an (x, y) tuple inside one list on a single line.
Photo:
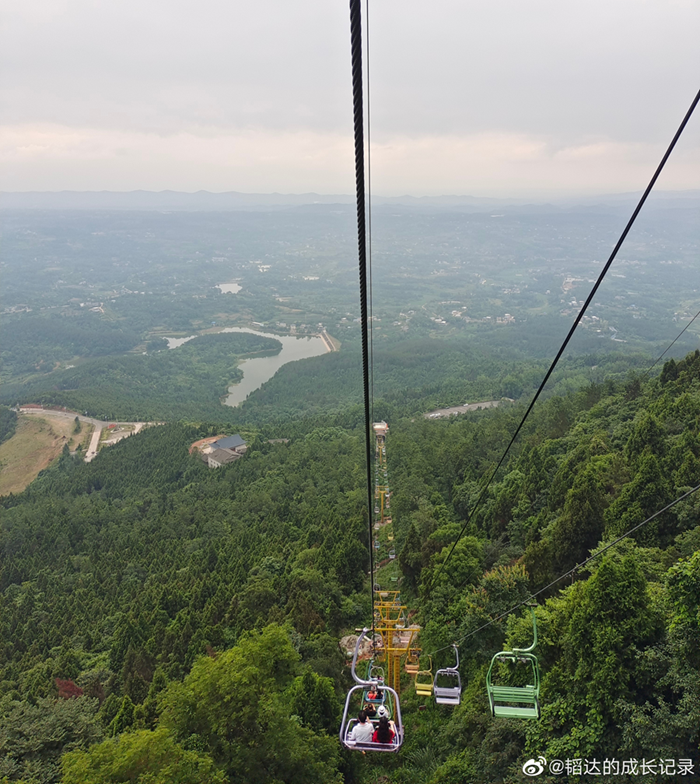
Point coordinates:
[(449, 695), (346, 726)]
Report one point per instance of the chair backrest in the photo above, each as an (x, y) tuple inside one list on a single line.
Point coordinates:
[(348, 724), (356, 691), (450, 693), (411, 664), (424, 688), (365, 746), (424, 681), (515, 701)]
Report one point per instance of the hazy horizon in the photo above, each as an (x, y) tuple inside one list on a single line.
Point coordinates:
[(497, 101), (378, 198)]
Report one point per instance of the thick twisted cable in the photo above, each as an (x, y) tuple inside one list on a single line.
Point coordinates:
[(356, 51)]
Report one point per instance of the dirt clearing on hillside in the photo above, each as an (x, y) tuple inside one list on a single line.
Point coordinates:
[(34, 446)]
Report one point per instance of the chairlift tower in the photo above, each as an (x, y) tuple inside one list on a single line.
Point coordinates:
[(381, 492), (381, 488), (380, 430), (397, 635)]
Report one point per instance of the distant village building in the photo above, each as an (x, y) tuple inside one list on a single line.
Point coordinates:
[(220, 457), (224, 450), (234, 442)]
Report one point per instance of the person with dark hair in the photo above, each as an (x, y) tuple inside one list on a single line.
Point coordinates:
[(362, 731), (383, 733), (370, 710), (383, 711)]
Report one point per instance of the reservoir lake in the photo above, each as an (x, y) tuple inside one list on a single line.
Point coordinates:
[(258, 370), (228, 288)]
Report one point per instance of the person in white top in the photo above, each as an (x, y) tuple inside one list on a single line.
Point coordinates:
[(362, 732)]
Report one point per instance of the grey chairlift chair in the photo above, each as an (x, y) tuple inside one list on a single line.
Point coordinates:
[(447, 686), (348, 724)]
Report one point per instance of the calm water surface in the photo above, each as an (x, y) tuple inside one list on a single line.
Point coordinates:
[(228, 288), (177, 342), (258, 370)]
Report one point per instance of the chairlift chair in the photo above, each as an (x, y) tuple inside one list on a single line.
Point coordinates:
[(411, 665), (375, 672), (380, 699), (519, 702), (450, 693), (347, 724), (424, 681), (375, 675)]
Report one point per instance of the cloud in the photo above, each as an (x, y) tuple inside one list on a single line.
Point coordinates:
[(55, 157), (502, 164), (534, 88)]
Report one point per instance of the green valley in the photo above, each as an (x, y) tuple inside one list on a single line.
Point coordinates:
[(163, 621), (142, 589)]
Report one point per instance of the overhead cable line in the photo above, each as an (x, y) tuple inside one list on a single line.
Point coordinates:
[(369, 223), (570, 573), (577, 321), (670, 346), (356, 52)]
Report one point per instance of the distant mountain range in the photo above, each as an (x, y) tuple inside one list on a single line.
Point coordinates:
[(233, 200)]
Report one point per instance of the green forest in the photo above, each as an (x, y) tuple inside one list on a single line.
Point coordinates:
[(187, 383), (35, 344), (411, 375), (8, 423), (164, 622)]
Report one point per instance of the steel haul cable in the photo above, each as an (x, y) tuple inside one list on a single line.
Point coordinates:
[(356, 52), (577, 320), (670, 346), (369, 225), (570, 573)]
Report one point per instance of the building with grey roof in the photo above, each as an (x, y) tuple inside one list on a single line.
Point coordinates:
[(220, 457), (230, 442)]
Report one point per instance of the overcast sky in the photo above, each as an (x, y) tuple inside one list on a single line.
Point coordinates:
[(498, 98)]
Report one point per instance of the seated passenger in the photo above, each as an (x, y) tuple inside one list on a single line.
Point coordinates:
[(363, 730), (370, 710), (383, 733), (383, 712), (375, 693)]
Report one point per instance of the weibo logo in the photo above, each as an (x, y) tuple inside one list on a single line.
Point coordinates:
[(534, 767)]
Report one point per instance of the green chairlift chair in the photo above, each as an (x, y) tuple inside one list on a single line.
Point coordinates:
[(375, 672), (519, 702)]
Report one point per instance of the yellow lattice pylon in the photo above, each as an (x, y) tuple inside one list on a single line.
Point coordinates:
[(390, 624)]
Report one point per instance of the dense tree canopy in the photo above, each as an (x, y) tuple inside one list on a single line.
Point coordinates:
[(161, 621)]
